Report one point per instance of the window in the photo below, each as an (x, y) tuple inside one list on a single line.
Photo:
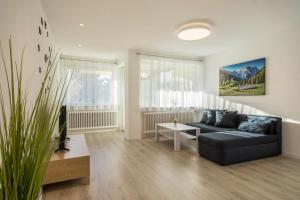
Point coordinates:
[(93, 85), (170, 83)]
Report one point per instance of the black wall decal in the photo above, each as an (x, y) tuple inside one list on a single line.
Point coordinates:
[(46, 54), (46, 58)]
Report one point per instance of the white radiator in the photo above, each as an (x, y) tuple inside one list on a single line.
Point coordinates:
[(96, 119), (151, 118)]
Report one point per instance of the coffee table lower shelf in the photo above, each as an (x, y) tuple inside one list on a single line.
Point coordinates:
[(177, 132)]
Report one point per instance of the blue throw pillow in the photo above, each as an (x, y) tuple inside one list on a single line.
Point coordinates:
[(211, 117), (204, 116), (254, 126), (267, 120)]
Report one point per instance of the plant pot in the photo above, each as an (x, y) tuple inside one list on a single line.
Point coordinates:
[(40, 197)]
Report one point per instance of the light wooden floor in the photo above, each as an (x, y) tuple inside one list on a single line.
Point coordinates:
[(146, 170)]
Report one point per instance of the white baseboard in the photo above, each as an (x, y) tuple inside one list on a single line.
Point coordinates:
[(92, 131), (148, 135), (291, 155)]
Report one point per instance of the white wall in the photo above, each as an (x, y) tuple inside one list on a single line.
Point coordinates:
[(133, 116), (282, 80), (21, 20)]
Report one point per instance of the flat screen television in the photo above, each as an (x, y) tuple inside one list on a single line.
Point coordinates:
[(62, 129)]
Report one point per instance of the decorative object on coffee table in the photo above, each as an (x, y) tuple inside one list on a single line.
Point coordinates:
[(174, 120)]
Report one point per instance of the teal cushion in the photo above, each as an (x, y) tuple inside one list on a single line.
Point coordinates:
[(254, 126), (211, 117), (204, 116)]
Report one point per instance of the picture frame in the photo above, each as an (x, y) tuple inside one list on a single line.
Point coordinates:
[(243, 79)]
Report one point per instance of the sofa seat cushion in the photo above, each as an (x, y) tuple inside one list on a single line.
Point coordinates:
[(207, 128), (234, 139)]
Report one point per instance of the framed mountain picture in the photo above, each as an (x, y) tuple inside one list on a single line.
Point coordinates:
[(243, 79)]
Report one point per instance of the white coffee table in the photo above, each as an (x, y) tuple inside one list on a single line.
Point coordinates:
[(177, 132)]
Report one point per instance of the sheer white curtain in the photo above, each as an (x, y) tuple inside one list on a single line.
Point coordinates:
[(93, 85), (170, 83)]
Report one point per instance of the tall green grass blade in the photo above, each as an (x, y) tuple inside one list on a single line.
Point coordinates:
[(25, 132)]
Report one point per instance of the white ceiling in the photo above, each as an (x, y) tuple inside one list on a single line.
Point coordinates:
[(111, 27)]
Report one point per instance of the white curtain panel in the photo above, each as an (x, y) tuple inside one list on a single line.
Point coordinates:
[(167, 83), (93, 85)]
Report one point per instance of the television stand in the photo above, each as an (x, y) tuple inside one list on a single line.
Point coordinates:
[(72, 164), (61, 149), (62, 146)]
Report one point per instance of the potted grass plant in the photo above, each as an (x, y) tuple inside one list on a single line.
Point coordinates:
[(26, 129)]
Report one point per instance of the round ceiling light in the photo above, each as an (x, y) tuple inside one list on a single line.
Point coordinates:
[(193, 31)]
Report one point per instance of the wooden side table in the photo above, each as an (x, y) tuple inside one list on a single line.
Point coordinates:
[(68, 165)]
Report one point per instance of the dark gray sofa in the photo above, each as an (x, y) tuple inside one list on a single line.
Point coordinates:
[(227, 146)]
